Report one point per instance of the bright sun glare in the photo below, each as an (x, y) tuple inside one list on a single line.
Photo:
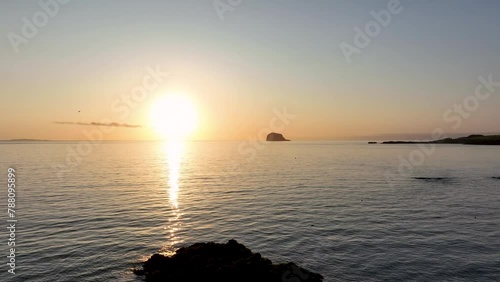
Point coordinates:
[(174, 117)]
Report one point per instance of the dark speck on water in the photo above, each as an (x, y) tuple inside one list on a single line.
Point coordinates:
[(429, 178), (434, 179)]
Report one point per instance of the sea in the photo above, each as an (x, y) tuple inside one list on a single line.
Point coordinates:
[(347, 210)]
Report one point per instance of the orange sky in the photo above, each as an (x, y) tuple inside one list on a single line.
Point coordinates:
[(238, 71)]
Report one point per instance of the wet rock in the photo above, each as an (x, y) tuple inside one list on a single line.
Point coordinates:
[(223, 263)]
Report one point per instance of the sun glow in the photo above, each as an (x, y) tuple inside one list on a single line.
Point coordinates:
[(174, 117)]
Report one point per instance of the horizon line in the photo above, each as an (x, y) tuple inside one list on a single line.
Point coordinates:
[(351, 138)]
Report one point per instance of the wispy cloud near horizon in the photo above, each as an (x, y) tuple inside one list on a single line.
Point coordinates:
[(114, 124)]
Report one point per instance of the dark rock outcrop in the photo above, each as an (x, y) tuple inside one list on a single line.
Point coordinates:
[(429, 178), (372, 142), (275, 137), (223, 263)]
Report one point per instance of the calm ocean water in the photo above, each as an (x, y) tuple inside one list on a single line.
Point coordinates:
[(325, 205)]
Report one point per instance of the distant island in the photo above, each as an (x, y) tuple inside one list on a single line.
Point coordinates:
[(273, 136), (475, 139)]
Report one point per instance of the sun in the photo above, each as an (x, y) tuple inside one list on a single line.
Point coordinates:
[(174, 117)]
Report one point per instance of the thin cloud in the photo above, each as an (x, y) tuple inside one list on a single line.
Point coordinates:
[(114, 124)]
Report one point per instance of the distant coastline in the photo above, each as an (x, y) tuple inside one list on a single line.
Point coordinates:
[(25, 140), (475, 139)]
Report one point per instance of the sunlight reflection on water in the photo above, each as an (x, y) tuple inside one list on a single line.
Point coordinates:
[(173, 151)]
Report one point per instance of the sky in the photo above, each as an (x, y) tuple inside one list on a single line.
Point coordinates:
[(242, 64)]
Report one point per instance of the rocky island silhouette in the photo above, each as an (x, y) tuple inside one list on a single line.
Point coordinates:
[(273, 136)]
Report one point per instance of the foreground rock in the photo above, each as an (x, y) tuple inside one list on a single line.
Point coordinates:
[(228, 262), (273, 136)]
